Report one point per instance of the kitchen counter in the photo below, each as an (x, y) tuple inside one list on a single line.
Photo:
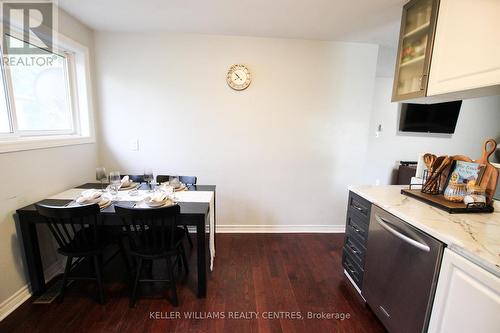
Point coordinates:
[(474, 236)]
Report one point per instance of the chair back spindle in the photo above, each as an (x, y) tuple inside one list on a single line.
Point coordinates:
[(74, 228), (188, 180), (151, 231)]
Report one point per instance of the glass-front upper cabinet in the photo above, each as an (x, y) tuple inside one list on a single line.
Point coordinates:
[(415, 49)]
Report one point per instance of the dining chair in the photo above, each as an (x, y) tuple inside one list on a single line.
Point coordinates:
[(78, 233), (189, 181), (152, 235)]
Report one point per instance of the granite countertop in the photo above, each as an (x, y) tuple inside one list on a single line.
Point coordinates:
[(474, 236)]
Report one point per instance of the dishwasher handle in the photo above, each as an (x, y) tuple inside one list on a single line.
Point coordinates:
[(384, 224)]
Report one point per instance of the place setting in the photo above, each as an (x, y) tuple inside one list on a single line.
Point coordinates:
[(90, 197), (130, 189), (156, 200)]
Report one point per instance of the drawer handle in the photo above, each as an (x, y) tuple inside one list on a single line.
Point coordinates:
[(355, 227), (353, 248), (358, 208), (350, 269)]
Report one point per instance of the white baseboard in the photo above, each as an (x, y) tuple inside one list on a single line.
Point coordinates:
[(20, 296), (257, 229)]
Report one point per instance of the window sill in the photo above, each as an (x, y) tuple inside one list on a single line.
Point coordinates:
[(30, 143)]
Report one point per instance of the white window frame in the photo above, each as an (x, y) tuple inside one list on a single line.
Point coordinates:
[(80, 102)]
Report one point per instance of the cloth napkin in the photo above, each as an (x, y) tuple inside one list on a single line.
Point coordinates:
[(88, 195), (157, 197), (126, 182)]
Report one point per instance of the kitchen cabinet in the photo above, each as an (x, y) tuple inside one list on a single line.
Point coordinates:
[(356, 234), (467, 298), (415, 49), (448, 50), (466, 53)]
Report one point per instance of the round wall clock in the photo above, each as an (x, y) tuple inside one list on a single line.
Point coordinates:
[(238, 77)]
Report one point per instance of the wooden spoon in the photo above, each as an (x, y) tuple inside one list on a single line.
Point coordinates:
[(435, 172), (429, 160)]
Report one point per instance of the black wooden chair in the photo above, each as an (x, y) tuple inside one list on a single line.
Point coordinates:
[(153, 235), (189, 181), (78, 233)]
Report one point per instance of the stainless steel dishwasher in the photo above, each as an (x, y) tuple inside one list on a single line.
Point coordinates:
[(401, 270)]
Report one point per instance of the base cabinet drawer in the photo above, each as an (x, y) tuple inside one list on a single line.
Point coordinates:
[(359, 206), (355, 249), (354, 271), (356, 228)]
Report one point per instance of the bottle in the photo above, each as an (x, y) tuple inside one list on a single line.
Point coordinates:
[(475, 195), (455, 192)]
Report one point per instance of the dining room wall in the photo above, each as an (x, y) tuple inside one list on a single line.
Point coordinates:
[(28, 176), (281, 152)]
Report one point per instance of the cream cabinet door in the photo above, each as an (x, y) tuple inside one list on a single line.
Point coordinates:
[(466, 53), (467, 298)]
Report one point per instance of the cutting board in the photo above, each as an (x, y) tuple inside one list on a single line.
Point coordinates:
[(490, 175)]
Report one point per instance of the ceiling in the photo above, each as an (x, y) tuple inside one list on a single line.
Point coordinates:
[(372, 21)]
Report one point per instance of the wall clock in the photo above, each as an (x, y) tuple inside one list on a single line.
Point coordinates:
[(238, 77)]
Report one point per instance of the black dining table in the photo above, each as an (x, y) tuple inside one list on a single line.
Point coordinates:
[(192, 214)]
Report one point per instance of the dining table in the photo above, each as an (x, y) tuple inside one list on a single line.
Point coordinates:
[(197, 213)]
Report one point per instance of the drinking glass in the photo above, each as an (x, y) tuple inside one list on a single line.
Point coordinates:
[(148, 176), (101, 176), (115, 182)]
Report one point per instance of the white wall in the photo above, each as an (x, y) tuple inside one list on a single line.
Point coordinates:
[(29, 176), (280, 152), (479, 120)]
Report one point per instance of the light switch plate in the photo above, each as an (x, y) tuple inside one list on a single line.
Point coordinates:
[(134, 145)]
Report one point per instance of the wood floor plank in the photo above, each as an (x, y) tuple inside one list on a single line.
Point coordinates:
[(267, 274)]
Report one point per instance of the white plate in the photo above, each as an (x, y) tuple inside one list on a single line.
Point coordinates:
[(104, 203), (180, 188)]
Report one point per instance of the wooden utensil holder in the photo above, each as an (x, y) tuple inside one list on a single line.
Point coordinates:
[(488, 180)]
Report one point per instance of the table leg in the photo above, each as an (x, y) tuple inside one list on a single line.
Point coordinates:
[(33, 259), (202, 259)]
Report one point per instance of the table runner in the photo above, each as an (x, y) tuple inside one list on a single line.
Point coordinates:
[(182, 196)]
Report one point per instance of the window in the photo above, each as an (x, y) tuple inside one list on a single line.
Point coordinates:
[(4, 112), (44, 97), (41, 94)]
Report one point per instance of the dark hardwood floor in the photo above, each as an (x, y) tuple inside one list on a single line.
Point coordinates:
[(286, 274)]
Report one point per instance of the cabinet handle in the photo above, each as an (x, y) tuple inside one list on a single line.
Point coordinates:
[(422, 81), (358, 208), (355, 227), (354, 249), (350, 269)]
